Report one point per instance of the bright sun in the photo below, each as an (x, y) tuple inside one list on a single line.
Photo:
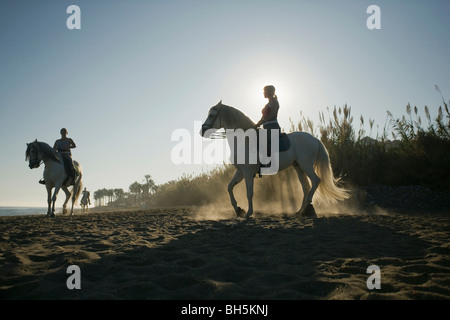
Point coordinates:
[(282, 90), (295, 86)]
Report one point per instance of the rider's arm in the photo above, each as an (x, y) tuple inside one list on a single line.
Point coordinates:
[(259, 122), (55, 145), (264, 116), (72, 144)]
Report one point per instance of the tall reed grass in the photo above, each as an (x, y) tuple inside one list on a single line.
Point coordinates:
[(418, 154)]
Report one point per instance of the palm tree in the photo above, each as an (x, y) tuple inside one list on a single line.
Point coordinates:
[(149, 185), (135, 188), (119, 194), (110, 195), (97, 198)]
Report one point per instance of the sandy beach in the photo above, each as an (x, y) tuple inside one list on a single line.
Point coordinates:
[(182, 253)]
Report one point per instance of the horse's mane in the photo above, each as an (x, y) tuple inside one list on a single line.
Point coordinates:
[(237, 116), (46, 151)]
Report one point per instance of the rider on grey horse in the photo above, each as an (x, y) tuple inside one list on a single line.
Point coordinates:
[(63, 146)]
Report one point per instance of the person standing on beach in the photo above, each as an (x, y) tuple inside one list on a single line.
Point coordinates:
[(63, 147)]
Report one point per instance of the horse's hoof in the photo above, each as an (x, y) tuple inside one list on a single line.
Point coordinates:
[(248, 216), (240, 212), (309, 212)]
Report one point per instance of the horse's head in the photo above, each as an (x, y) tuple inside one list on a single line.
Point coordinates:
[(212, 122), (33, 155)]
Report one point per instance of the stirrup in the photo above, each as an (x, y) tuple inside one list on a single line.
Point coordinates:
[(259, 170), (261, 165)]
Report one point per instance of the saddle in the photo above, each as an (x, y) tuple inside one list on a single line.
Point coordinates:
[(283, 142), (283, 145)]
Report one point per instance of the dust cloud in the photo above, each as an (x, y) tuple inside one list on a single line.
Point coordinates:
[(282, 195)]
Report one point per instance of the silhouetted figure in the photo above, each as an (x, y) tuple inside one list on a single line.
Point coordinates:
[(269, 116), (85, 200), (63, 147), (86, 196), (270, 112)]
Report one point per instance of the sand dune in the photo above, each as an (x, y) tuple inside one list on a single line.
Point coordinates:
[(183, 254)]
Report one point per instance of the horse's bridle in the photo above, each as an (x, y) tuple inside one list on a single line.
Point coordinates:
[(35, 162), (208, 125)]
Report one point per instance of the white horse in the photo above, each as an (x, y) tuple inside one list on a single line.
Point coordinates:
[(55, 175), (306, 154)]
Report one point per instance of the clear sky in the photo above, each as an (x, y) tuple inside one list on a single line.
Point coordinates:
[(138, 70)]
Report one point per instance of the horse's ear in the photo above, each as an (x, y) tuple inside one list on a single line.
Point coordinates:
[(35, 140), (220, 103)]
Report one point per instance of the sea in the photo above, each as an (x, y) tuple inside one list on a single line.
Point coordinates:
[(22, 211)]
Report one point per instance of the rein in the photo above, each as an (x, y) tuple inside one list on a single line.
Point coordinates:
[(37, 160), (219, 134)]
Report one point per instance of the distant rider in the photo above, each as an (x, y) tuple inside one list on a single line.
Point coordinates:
[(87, 196)]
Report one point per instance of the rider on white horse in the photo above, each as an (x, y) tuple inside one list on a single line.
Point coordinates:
[(305, 153), (63, 146), (269, 117)]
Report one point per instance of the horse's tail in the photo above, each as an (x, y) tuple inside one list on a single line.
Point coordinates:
[(78, 191), (328, 187), (80, 181)]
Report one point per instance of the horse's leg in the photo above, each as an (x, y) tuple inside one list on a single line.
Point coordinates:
[(67, 192), (249, 181), (236, 179), (305, 187), (49, 200), (315, 180), (55, 195)]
